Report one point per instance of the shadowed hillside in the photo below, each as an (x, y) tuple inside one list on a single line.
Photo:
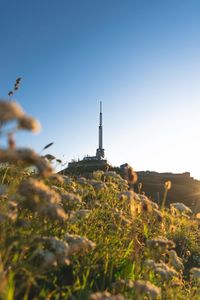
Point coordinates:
[(184, 187)]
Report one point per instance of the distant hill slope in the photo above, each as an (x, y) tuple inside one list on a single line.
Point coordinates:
[(184, 188)]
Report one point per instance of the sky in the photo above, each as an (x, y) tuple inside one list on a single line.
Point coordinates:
[(140, 58)]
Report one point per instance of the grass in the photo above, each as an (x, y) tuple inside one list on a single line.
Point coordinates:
[(69, 237)]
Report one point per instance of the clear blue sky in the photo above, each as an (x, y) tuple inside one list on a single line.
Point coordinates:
[(141, 58)]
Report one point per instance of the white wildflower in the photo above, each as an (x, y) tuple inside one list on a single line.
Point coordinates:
[(46, 258), (161, 268), (182, 208), (175, 261), (29, 123), (128, 195), (26, 156), (97, 175), (71, 199), (112, 176), (10, 110), (160, 242), (82, 180), (79, 244), (67, 179), (195, 273), (60, 248), (198, 216), (105, 296), (53, 211), (146, 288), (36, 193)]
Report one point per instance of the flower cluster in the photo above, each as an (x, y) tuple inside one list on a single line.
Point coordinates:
[(105, 296), (27, 157), (78, 244), (40, 198), (146, 288)]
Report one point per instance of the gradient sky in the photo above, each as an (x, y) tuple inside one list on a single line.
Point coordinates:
[(141, 58)]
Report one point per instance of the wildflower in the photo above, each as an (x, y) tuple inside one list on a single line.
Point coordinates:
[(128, 195), (127, 199), (59, 248), (139, 187), (182, 208), (123, 184), (120, 217), (158, 214), (146, 206), (119, 285), (83, 213), (165, 272), (56, 179), (149, 263), (105, 296), (71, 200), (10, 110), (46, 259), (131, 175), (56, 188), (198, 216), (143, 198), (175, 261), (36, 193), (161, 269), (99, 186), (67, 179), (146, 288), (172, 228), (26, 156), (29, 123), (82, 180), (79, 244), (168, 185), (53, 211), (97, 174), (195, 273), (112, 174), (160, 242), (78, 215), (122, 284)]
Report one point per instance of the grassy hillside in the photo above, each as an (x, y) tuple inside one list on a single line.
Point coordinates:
[(184, 188), (65, 237)]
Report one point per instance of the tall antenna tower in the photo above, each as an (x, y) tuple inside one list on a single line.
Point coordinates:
[(100, 151)]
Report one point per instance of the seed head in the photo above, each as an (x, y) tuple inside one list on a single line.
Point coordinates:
[(131, 175), (168, 185), (146, 288), (175, 261), (29, 123), (10, 110)]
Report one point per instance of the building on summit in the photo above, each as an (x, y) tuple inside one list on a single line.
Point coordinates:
[(91, 163)]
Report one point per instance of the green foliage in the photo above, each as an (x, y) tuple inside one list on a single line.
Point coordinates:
[(121, 244), (67, 237)]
